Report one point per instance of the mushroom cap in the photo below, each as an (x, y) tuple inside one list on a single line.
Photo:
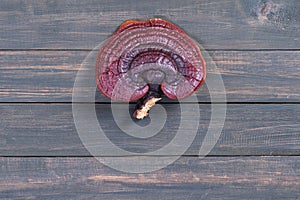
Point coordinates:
[(147, 52)]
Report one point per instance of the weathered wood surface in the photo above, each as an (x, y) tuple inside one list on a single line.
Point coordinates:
[(255, 45), (187, 178), (48, 76), (242, 24), (49, 130)]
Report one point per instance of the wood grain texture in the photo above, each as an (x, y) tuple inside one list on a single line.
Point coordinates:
[(48, 76), (49, 130), (242, 24), (187, 178), (255, 45)]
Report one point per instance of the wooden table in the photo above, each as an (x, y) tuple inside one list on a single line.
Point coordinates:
[(255, 45)]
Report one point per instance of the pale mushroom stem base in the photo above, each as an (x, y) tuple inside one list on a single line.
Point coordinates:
[(147, 102)]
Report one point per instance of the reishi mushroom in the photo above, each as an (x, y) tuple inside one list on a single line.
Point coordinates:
[(144, 59)]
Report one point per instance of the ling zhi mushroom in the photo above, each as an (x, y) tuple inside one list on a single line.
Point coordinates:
[(144, 59)]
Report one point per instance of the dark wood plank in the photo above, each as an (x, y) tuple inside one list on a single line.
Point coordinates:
[(38, 76), (49, 130), (271, 24), (187, 178), (48, 76)]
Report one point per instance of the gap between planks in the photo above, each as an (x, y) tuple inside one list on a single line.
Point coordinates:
[(160, 156), (163, 103), (210, 50)]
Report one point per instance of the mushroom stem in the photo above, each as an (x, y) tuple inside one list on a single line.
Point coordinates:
[(147, 102)]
